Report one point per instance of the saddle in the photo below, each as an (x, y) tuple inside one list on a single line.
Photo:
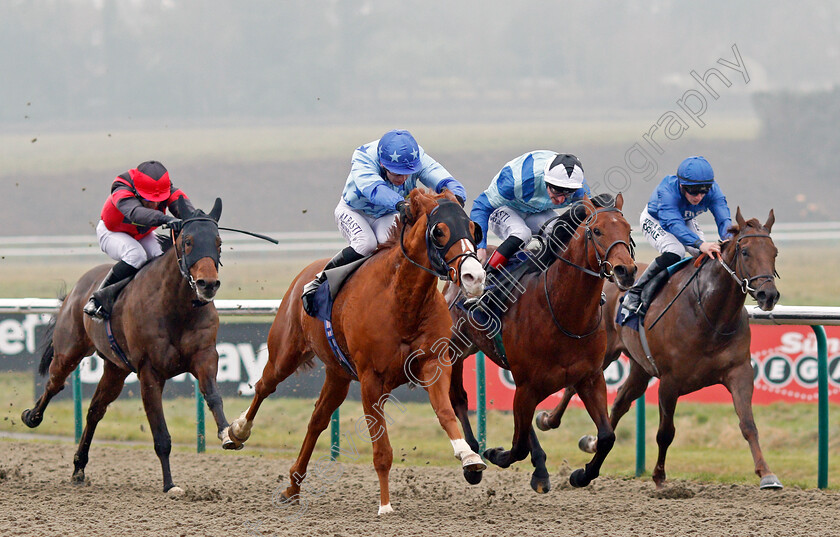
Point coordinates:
[(632, 319)]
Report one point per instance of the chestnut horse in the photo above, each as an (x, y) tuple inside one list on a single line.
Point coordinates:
[(392, 323), (164, 323), (551, 334), (699, 335)]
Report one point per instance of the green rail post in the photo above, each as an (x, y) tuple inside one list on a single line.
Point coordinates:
[(481, 401), (640, 435), (199, 419), (335, 428), (822, 388), (77, 403)]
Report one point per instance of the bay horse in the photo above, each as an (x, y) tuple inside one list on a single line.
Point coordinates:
[(393, 324), (551, 334), (164, 323), (699, 335)]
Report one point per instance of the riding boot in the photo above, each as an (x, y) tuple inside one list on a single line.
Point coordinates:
[(102, 300), (634, 299), (345, 256)]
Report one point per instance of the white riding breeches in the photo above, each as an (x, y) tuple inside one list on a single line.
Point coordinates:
[(664, 241), (123, 247), (506, 221), (363, 232)]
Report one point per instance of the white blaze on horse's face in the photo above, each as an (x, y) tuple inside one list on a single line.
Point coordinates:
[(472, 273)]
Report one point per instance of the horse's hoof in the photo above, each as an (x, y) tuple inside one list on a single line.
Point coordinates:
[(587, 443), (31, 419), (539, 421), (385, 509), (473, 478), (492, 454), (578, 478), (174, 492), (473, 463), (541, 485), (78, 477), (229, 441), (770, 482)]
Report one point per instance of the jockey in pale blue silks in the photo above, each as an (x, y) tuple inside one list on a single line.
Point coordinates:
[(669, 221), (382, 174), (523, 196)]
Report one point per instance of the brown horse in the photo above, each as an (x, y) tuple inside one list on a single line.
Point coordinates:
[(164, 323), (551, 334), (393, 324), (699, 335)]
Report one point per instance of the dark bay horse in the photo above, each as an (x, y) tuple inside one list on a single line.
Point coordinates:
[(393, 324), (552, 337), (164, 322), (701, 338)]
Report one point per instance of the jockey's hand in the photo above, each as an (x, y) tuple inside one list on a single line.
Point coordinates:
[(405, 211), (461, 200), (175, 225), (709, 248), (482, 255)]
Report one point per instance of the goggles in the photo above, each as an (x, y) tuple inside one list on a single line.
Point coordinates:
[(695, 190)]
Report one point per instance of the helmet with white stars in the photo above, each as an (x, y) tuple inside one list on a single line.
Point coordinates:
[(399, 153)]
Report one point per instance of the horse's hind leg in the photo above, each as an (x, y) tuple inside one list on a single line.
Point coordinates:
[(540, 480), (333, 393), (64, 353), (551, 420), (151, 390), (593, 392), (739, 382), (460, 405), (108, 389)]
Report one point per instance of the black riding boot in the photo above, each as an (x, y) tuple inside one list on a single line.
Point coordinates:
[(102, 300), (345, 256), (633, 301)]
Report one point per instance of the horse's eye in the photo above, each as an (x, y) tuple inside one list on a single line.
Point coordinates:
[(744, 253), (437, 233), (187, 243), (597, 232)]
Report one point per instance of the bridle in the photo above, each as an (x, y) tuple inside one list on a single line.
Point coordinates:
[(744, 283), (449, 213), (605, 269)]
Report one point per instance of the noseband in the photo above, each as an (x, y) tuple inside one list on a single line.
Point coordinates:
[(451, 214)]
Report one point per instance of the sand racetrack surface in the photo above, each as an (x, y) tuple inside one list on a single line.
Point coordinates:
[(232, 494)]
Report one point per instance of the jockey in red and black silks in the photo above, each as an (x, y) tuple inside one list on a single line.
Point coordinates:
[(136, 207)]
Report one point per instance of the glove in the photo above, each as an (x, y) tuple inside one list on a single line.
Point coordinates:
[(175, 225), (461, 200), (405, 211)]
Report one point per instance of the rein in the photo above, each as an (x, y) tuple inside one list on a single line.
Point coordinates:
[(603, 272)]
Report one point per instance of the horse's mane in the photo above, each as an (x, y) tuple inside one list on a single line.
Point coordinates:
[(396, 230), (735, 229)]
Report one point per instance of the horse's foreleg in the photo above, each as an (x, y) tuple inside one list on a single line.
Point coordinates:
[(204, 367), (383, 455), (460, 404), (739, 382), (436, 379), (540, 481), (151, 390), (668, 394), (108, 389), (524, 404), (551, 420), (593, 392), (332, 395)]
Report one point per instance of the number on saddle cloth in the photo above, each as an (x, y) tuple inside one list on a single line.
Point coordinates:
[(325, 295)]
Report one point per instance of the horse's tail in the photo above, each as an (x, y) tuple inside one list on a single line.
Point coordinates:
[(46, 346)]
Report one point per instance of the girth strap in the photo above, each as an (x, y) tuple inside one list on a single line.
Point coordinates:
[(116, 346)]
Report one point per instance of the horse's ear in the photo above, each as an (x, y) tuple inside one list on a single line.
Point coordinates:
[(181, 208), (742, 224), (619, 201), (771, 219), (216, 212)]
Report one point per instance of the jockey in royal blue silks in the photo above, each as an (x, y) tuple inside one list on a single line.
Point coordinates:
[(382, 174), (522, 197), (669, 221)]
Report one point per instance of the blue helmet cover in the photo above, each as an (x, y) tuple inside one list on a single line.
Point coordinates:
[(695, 171), (399, 153)]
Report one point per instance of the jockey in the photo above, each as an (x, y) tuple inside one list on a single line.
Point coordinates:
[(136, 206), (523, 196), (669, 221), (382, 173)]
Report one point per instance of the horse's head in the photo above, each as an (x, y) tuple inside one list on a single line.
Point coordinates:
[(606, 235), (450, 238), (198, 247), (752, 254)]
